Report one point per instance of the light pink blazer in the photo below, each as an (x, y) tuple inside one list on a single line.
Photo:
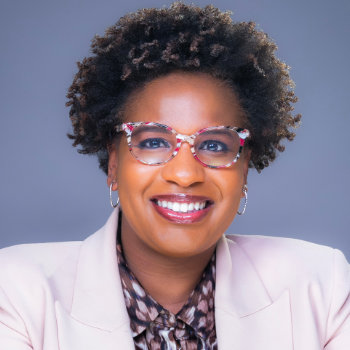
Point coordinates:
[(271, 294)]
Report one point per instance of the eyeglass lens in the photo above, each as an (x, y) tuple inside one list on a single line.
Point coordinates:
[(152, 144)]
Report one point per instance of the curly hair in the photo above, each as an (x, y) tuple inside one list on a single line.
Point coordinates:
[(154, 42)]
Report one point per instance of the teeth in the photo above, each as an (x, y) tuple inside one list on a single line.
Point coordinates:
[(182, 207), (176, 206)]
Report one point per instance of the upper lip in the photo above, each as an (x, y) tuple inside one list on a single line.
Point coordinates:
[(181, 198)]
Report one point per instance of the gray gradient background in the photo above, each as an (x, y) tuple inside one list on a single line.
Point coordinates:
[(51, 193)]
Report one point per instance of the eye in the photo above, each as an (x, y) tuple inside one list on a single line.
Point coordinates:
[(213, 146), (154, 143)]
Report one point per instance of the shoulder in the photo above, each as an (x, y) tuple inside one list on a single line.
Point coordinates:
[(316, 277), (44, 257), (37, 269), (266, 249), (287, 263)]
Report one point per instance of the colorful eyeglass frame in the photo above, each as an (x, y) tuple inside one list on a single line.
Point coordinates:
[(243, 134)]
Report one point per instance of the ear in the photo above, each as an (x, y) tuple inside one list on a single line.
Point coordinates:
[(112, 167)]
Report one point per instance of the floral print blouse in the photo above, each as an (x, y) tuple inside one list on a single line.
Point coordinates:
[(154, 327)]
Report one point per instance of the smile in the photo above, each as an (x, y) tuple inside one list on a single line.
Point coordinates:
[(182, 209)]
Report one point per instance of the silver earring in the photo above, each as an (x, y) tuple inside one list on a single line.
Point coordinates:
[(245, 191), (110, 197)]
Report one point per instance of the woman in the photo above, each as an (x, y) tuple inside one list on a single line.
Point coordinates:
[(177, 103)]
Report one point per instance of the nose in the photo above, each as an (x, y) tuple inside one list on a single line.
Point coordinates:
[(184, 170)]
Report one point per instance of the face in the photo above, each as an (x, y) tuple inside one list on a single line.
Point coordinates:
[(187, 103)]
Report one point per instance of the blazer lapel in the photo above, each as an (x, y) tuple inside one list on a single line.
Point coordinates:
[(98, 318), (245, 315), (73, 334)]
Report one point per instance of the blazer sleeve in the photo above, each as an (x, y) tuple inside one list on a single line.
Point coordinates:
[(338, 325), (14, 300), (13, 333)]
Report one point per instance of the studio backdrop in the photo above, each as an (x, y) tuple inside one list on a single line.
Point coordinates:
[(51, 193)]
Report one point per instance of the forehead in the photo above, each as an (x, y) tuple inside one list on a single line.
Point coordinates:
[(185, 101)]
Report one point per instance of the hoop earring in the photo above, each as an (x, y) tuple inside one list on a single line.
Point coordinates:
[(110, 197), (245, 191)]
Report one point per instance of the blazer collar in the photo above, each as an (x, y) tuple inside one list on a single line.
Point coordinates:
[(246, 317), (98, 298), (239, 288)]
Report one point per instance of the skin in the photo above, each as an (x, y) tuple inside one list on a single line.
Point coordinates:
[(169, 258)]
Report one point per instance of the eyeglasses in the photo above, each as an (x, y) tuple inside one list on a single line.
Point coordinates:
[(154, 144)]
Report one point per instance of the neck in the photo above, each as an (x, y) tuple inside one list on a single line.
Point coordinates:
[(169, 280)]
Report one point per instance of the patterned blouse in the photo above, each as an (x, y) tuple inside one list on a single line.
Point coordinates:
[(154, 327)]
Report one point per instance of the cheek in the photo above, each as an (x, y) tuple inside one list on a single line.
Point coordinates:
[(230, 185), (129, 170), (132, 174), (134, 178)]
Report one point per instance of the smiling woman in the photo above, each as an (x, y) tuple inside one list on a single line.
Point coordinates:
[(188, 102), (177, 103)]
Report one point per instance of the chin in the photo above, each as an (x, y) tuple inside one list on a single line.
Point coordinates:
[(183, 248)]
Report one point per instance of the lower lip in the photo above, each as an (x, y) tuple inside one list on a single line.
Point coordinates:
[(182, 218)]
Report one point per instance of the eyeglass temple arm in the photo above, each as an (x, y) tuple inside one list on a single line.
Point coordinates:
[(119, 128)]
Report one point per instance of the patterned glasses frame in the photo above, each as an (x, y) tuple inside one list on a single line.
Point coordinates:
[(129, 127)]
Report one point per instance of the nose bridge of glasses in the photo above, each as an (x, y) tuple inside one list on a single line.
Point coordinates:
[(185, 138)]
